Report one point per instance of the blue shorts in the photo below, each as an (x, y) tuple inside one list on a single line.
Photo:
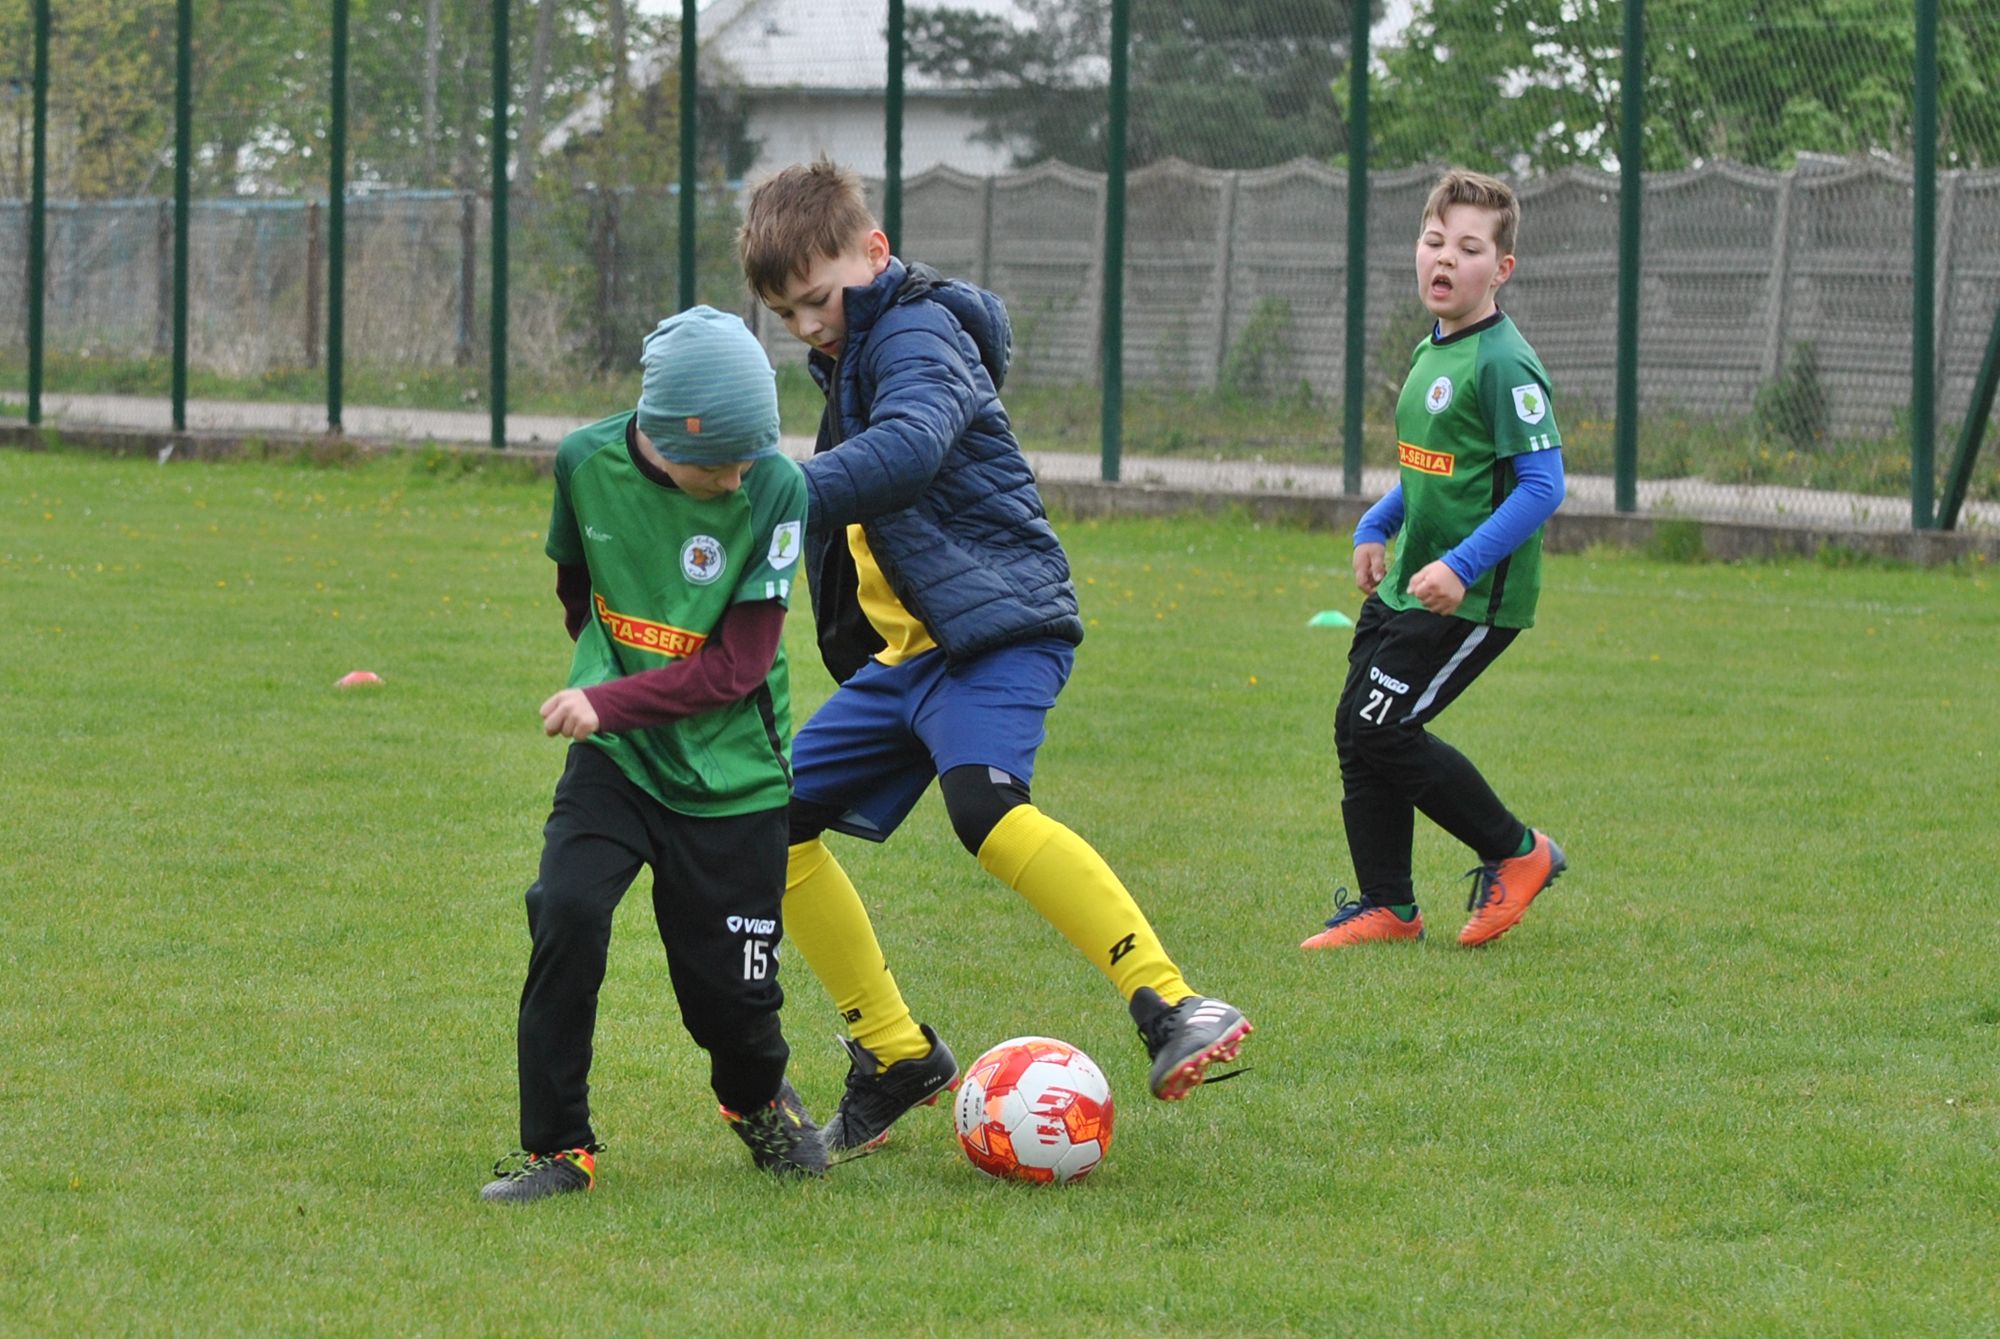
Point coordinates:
[(873, 748)]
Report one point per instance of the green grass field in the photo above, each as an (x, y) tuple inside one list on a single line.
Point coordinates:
[(262, 941)]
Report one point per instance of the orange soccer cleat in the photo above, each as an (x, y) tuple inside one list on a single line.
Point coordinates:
[(1502, 890), (1355, 923)]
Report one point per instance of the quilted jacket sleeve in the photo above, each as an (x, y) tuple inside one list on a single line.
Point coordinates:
[(920, 393)]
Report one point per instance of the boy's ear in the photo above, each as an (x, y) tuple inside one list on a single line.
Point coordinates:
[(1504, 270), (876, 247)]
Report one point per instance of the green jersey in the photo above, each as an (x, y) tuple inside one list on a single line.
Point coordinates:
[(664, 568), (1472, 402)]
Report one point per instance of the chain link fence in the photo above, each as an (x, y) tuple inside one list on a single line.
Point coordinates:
[(1776, 273)]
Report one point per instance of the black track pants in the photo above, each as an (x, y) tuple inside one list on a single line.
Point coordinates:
[(1405, 668), (717, 887)]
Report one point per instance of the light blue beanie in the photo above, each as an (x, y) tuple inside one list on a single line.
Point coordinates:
[(708, 395)]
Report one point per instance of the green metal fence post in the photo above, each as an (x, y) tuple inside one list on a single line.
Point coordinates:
[(1357, 250), (690, 89), (336, 224), (497, 355), (183, 141), (1111, 318), (38, 214), (892, 132), (1974, 432), (1923, 278), (1631, 187)]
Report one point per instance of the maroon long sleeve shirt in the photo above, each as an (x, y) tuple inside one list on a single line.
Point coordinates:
[(738, 654)]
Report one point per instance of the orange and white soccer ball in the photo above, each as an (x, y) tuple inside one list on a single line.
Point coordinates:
[(1034, 1109)]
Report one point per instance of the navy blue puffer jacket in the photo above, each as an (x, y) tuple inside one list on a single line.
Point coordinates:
[(915, 446)]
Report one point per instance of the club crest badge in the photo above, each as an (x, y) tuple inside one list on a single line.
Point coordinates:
[(1439, 397), (785, 545), (702, 559), (1531, 403)]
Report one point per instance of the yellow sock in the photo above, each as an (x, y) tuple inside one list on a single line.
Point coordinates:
[(1065, 879), (825, 918)]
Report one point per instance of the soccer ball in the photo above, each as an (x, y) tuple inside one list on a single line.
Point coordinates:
[(1034, 1109)]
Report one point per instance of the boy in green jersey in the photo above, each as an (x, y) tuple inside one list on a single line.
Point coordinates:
[(676, 534), (1481, 466)]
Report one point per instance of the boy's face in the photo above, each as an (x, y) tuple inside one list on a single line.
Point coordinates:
[(705, 483), (1459, 268), (811, 305)]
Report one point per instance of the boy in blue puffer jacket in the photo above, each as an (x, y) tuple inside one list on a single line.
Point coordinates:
[(946, 614)]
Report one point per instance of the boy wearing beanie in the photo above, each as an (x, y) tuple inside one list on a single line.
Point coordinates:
[(676, 536)]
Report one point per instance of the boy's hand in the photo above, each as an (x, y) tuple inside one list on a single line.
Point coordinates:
[(1371, 564), (569, 713), (1438, 588)]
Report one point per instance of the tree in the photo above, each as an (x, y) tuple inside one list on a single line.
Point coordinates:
[(107, 126), (419, 90), (433, 54), (537, 93), (1533, 85), (1824, 76), (618, 31), (1499, 84), (1217, 82)]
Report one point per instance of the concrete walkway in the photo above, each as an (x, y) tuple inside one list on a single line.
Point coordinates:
[(1697, 499)]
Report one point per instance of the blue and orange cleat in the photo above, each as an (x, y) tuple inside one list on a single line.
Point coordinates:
[(1355, 922)]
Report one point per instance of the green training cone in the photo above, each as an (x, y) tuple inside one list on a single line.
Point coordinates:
[(1329, 618)]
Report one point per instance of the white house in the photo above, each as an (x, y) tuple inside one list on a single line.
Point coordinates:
[(811, 78)]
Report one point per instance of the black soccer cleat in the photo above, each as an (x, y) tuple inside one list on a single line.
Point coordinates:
[(520, 1177), (876, 1098), (782, 1137), (1185, 1039)]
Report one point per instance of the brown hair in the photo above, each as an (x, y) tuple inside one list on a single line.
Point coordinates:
[(808, 212), (1459, 187)]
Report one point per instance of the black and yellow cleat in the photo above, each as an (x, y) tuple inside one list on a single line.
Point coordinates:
[(520, 1177), (782, 1137)]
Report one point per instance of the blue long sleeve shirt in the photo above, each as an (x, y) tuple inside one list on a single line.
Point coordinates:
[(1538, 491)]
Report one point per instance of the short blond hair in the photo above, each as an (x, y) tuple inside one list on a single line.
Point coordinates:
[(808, 212), (1459, 187)]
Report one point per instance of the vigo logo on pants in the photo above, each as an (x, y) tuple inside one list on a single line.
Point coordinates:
[(1393, 685)]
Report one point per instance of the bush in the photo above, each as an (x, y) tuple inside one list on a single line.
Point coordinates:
[(1262, 359), (1792, 411), (1389, 364), (1677, 541)]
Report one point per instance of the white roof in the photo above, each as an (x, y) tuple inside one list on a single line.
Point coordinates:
[(812, 44), (791, 45)]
